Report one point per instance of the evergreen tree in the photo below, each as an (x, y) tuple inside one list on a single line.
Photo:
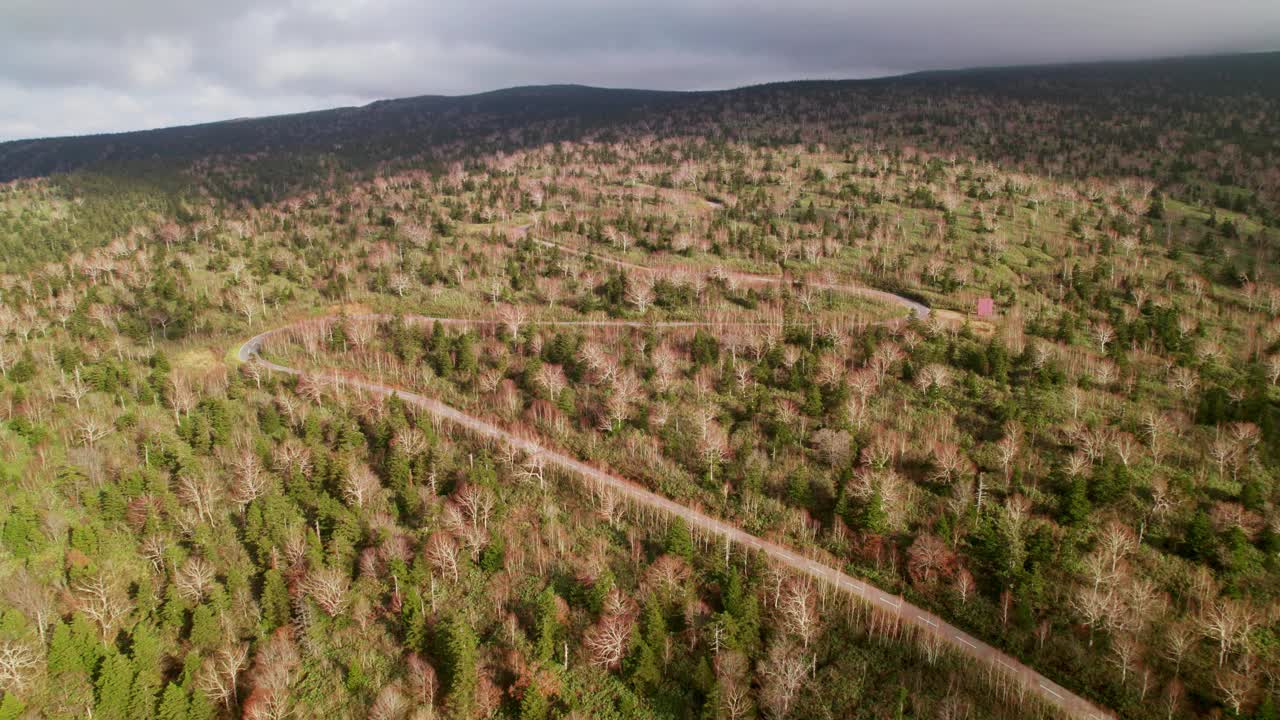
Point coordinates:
[(548, 624), (275, 600), (459, 650), (11, 708), (679, 539), (144, 656), (1075, 503), (115, 682), (644, 662), (534, 705), (173, 705), (873, 517), (201, 707), (412, 620), (205, 631), (1201, 543), (63, 656)]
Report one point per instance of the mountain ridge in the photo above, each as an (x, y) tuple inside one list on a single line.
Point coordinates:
[(387, 129)]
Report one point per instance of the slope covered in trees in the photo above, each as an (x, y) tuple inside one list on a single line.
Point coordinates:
[(1207, 119), (1086, 480)]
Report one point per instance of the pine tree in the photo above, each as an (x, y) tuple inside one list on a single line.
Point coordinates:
[(874, 518), (400, 476), (644, 662), (412, 620), (1201, 543), (600, 590), (174, 611), (142, 696), (1075, 504), (548, 624), (173, 706), (466, 354), (114, 684), (679, 540), (63, 655), (205, 632), (460, 663), (145, 659), (275, 600), (534, 705), (201, 707), (11, 707)]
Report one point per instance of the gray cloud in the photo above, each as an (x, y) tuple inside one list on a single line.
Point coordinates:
[(68, 66)]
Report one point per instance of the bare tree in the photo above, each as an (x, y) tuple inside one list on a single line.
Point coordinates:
[(713, 442), (965, 584), (1184, 379), (274, 671), (783, 672), (1103, 334), (1007, 451), (1155, 426), (1179, 639), (329, 588), (104, 602), (1227, 623), (928, 555), (640, 291), (33, 598), (361, 485), (390, 704), (17, 661), (1235, 686), (399, 283), (1125, 652), (182, 396), (731, 669), (442, 552), (607, 640), (932, 376), (251, 479), (91, 429), (423, 682), (7, 358), (73, 388), (221, 674), (195, 579), (799, 609), (200, 492), (1094, 607), (552, 380)]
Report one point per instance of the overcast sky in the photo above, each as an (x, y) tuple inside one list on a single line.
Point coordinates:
[(81, 66)]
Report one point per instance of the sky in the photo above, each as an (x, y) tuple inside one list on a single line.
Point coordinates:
[(89, 66)]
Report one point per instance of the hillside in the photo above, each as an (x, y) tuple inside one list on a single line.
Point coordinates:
[(1085, 99), (691, 414)]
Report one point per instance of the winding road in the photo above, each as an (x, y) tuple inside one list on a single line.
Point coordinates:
[(927, 623)]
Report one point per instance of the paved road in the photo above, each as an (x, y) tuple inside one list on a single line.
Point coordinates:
[(1055, 695)]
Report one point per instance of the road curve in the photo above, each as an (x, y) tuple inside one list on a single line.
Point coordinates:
[(913, 307), (920, 619)]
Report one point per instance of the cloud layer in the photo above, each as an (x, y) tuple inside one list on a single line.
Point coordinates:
[(71, 67)]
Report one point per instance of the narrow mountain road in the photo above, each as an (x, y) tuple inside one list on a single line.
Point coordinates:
[(927, 623), (919, 309)]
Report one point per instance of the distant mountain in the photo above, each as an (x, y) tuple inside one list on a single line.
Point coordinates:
[(381, 128), (946, 110)]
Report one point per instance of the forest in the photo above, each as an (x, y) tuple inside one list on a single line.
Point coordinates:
[(760, 306)]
